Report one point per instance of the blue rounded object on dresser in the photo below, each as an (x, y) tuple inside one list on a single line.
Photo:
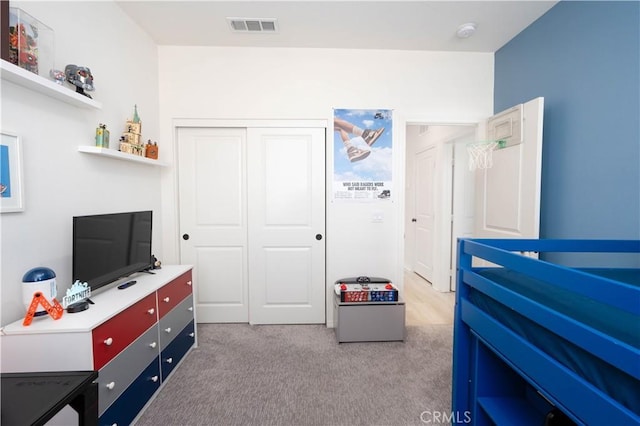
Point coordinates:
[(39, 279)]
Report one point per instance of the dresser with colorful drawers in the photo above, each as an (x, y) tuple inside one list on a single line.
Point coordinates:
[(133, 337)]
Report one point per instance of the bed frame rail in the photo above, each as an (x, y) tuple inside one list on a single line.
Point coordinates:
[(506, 253)]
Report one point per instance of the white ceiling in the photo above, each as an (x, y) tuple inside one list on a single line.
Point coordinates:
[(398, 25)]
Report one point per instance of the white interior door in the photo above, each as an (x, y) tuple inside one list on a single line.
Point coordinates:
[(508, 194), (425, 168), (286, 225), (213, 220)]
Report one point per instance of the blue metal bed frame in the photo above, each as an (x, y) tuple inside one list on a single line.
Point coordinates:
[(499, 377)]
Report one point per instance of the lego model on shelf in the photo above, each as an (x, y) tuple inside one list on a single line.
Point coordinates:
[(102, 136), (151, 150), (30, 43), (79, 77), (130, 141)]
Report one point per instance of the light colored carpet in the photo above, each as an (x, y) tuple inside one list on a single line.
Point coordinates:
[(299, 375)]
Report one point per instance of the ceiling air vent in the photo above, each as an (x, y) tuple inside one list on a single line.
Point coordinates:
[(253, 25)]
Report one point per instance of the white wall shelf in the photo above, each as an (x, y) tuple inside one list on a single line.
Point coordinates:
[(31, 81), (112, 153)]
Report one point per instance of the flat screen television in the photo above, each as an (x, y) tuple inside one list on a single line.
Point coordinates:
[(107, 247)]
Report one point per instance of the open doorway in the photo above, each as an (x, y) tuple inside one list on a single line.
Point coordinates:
[(439, 200)]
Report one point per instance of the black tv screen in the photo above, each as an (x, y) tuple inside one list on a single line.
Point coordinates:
[(107, 247)]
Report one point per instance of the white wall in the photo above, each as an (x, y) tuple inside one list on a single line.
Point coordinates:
[(59, 181), (258, 83)]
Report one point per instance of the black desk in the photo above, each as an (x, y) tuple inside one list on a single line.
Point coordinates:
[(34, 398)]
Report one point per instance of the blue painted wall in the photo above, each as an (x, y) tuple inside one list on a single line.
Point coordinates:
[(584, 59)]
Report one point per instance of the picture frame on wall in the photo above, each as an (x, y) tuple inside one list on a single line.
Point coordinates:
[(11, 175), (362, 171)]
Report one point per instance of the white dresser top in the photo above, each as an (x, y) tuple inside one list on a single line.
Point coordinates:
[(108, 303)]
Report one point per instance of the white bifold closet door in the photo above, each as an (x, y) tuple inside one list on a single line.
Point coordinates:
[(252, 222)]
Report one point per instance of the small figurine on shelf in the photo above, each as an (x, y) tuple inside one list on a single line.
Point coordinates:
[(151, 150), (156, 263), (102, 136), (80, 77), (131, 142), (57, 76)]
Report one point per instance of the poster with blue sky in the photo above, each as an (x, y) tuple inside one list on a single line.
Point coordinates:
[(362, 147)]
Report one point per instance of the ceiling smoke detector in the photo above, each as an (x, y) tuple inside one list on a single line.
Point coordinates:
[(466, 30), (253, 25)]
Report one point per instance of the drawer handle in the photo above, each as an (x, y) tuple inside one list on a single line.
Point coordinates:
[(168, 329), (153, 345), (151, 311), (192, 334), (166, 299), (154, 379), (190, 309), (108, 341), (189, 283), (169, 360), (111, 385)]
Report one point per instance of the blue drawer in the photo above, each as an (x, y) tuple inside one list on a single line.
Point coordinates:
[(128, 405), (173, 353)]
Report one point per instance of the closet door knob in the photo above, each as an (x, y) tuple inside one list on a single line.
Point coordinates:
[(185, 237)]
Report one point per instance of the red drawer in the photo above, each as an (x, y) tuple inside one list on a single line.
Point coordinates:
[(111, 337), (173, 293)]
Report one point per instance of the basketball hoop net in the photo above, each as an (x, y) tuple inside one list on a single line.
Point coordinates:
[(481, 154)]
